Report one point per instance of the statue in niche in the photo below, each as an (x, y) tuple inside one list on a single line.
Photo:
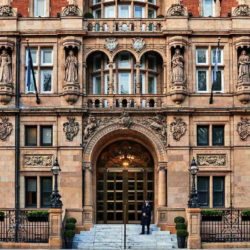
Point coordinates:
[(178, 67), (244, 67), (71, 68), (5, 67)]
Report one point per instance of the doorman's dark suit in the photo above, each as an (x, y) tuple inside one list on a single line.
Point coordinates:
[(145, 220)]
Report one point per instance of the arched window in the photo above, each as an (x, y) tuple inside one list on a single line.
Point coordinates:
[(97, 103), (151, 103), (151, 27), (124, 103)]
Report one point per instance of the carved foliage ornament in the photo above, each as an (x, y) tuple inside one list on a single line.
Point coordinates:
[(243, 128), (138, 44), (111, 44), (242, 10), (5, 128), (178, 128), (6, 10), (176, 10), (215, 160), (38, 161), (71, 10), (71, 128)]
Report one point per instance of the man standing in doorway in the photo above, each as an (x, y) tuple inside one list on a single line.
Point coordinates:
[(146, 216)]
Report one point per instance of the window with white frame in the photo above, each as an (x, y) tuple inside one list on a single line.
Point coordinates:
[(110, 11), (142, 84), (39, 8), (151, 13), (218, 84), (31, 87), (34, 56), (97, 82), (208, 8), (124, 11), (220, 57), (46, 57), (151, 62), (106, 88), (138, 12), (97, 63), (152, 1), (202, 57), (124, 60), (152, 88), (202, 80), (124, 83), (46, 81), (97, 1), (97, 13)]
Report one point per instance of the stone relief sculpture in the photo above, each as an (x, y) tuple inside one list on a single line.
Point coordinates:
[(38, 161), (71, 128), (71, 68), (178, 67), (71, 10), (176, 10), (6, 10), (242, 10), (5, 128), (5, 67), (244, 62), (111, 44), (138, 44), (90, 127), (215, 160), (178, 128), (125, 120), (243, 128)]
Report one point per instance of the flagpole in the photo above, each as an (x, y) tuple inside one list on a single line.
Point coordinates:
[(33, 74), (212, 87)]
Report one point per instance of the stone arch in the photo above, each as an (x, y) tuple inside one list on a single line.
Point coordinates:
[(126, 50), (93, 51), (159, 52), (114, 132)]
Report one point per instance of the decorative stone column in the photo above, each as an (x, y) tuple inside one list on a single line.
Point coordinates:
[(193, 224), (138, 82), (162, 186), (55, 238), (84, 73), (88, 194), (164, 66), (111, 80)]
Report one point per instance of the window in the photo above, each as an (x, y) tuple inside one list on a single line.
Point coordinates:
[(138, 12), (152, 85), (142, 84), (152, 63), (46, 191), (202, 57), (202, 80), (30, 136), (142, 61), (220, 58), (219, 191), (151, 13), (218, 84), (40, 8), (151, 27), (218, 135), (46, 81), (208, 8), (124, 11), (203, 190), (152, 1), (34, 55), (31, 88), (46, 57), (124, 83), (97, 62), (31, 192), (110, 12), (46, 135), (97, 13), (97, 1), (124, 60), (97, 85), (203, 135)]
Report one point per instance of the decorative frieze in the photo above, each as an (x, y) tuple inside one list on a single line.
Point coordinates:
[(6, 10), (243, 128), (5, 128), (71, 128), (178, 128), (214, 160), (38, 160)]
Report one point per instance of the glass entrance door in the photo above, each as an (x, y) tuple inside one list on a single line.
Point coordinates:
[(116, 188)]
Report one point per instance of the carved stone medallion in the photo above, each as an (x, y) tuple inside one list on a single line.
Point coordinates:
[(138, 44), (176, 10), (38, 161), (5, 128), (242, 10), (178, 128), (215, 160), (111, 44), (71, 128), (243, 128), (71, 10), (125, 120), (6, 10)]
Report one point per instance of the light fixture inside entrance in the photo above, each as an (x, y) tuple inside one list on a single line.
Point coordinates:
[(125, 163)]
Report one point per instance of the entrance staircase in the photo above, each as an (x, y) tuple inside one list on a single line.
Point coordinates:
[(112, 237)]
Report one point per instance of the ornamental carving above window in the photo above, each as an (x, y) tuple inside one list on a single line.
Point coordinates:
[(125, 154), (243, 128)]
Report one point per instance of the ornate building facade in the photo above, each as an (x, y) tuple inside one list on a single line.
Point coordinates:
[(124, 90)]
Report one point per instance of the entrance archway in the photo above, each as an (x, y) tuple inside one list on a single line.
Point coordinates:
[(125, 176)]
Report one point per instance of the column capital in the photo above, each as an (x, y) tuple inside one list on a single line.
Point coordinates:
[(111, 64), (86, 166), (138, 64), (84, 64), (160, 168)]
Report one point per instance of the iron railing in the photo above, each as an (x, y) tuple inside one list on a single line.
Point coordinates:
[(231, 226), (19, 229)]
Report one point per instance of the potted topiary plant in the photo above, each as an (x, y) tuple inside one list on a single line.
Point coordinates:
[(180, 226), (88, 15), (179, 219), (181, 237), (211, 215), (69, 232), (1, 216), (246, 215), (35, 216)]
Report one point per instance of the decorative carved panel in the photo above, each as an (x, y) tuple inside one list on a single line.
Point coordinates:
[(6, 10), (71, 128), (176, 10), (215, 160), (38, 160), (178, 128), (71, 10), (5, 128), (243, 128), (242, 10)]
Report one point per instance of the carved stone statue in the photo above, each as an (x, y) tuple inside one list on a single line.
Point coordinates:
[(90, 128), (5, 67), (177, 67), (244, 67), (71, 68), (125, 119)]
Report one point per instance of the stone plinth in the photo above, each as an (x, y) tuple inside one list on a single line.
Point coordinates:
[(6, 93), (55, 239), (178, 92), (71, 92), (243, 92)]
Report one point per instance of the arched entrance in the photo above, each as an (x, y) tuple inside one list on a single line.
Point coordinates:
[(125, 176)]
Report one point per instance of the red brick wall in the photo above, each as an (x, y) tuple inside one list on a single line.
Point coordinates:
[(56, 6), (192, 6), (22, 7), (226, 6)]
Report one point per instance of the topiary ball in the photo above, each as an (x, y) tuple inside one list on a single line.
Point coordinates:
[(69, 233), (179, 219), (71, 220), (182, 233), (70, 226), (180, 226)]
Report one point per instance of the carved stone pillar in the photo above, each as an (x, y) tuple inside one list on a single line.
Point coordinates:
[(165, 78), (84, 88), (88, 194), (138, 78), (162, 186), (111, 80)]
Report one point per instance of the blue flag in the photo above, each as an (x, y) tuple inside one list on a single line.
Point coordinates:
[(30, 66)]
